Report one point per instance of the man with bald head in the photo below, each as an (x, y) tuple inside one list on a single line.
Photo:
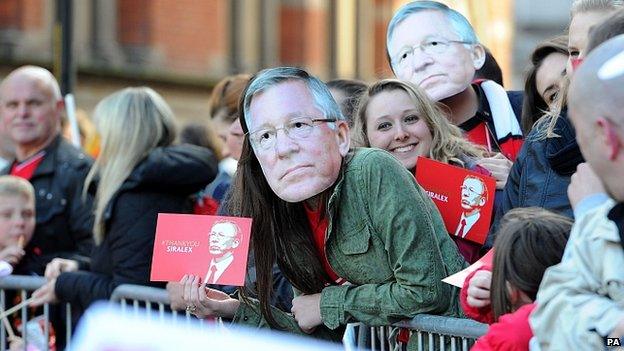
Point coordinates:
[(30, 113), (581, 300)]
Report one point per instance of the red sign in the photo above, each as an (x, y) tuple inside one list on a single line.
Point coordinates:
[(464, 198), (214, 248)]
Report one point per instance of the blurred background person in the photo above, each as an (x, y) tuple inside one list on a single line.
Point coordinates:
[(7, 150), (89, 139), (490, 69), (347, 92), (225, 124), (139, 174), (31, 107), (17, 223)]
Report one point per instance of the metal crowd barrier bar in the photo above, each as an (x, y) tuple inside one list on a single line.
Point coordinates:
[(22, 285), (440, 333), (145, 299), (427, 332), (431, 332)]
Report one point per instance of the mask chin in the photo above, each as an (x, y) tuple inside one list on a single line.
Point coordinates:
[(439, 94)]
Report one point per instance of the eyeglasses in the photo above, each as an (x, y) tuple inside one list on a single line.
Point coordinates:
[(430, 47), (296, 128), (470, 190)]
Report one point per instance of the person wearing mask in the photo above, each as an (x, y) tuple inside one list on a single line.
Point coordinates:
[(435, 48), (326, 215)]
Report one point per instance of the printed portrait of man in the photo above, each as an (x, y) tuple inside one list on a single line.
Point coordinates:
[(224, 238), (474, 196)]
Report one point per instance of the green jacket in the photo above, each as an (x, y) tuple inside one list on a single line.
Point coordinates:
[(386, 237)]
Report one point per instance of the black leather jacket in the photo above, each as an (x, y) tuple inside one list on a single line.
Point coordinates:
[(162, 183), (64, 219)]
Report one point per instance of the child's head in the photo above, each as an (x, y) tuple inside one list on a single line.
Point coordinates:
[(529, 241), (17, 211)]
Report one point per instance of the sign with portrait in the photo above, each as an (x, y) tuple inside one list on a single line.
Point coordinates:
[(464, 198), (214, 248)]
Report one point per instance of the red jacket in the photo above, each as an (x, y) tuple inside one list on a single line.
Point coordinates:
[(512, 332), (483, 314)]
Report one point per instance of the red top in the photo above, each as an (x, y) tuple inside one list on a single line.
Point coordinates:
[(479, 135), (511, 332), (206, 206), (483, 314), (26, 168), (318, 224)]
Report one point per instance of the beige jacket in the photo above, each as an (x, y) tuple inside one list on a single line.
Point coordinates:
[(581, 299)]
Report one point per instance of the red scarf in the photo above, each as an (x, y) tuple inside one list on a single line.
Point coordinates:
[(27, 168)]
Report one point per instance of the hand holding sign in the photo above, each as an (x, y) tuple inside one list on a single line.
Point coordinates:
[(213, 248), (479, 289), (205, 302), (499, 166)]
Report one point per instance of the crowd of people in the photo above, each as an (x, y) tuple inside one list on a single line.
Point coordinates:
[(342, 231)]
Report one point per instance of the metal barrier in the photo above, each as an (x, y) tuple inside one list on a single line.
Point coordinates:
[(144, 299), (431, 332), (22, 285), (427, 332)]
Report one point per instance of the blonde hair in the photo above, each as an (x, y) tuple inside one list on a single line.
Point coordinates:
[(132, 122), (16, 186), (447, 145)]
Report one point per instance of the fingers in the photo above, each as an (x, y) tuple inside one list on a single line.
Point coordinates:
[(41, 295), (191, 296), (499, 166), (479, 289), (493, 165), (308, 330), (58, 266), (186, 288), (194, 291), (176, 298), (12, 254), (477, 303), (482, 278), (215, 294), (53, 269)]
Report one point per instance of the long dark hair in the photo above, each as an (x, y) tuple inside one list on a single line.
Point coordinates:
[(533, 105), (528, 241), (280, 232)]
